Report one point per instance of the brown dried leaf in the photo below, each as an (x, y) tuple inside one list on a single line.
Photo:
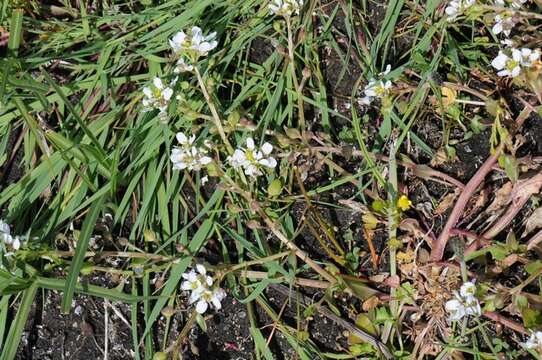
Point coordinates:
[(525, 188), (439, 158), (379, 278), (446, 203), (370, 303), (502, 198), (533, 222)]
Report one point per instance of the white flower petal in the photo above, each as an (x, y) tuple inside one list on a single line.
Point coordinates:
[(250, 143), (181, 138), (157, 82), (500, 61), (267, 148), (186, 285), (147, 92), (201, 306), (167, 93), (201, 269)]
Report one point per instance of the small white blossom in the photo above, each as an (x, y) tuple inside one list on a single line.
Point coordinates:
[(508, 66), (196, 281), (194, 44), (504, 23), (213, 297), (285, 7), (457, 7), (182, 66), (529, 57), (375, 89), (14, 242), (252, 160), (464, 303), (534, 342), (202, 290), (187, 156), (204, 180), (158, 96)]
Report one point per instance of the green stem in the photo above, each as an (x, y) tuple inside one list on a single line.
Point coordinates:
[(291, 56), (214, 112)]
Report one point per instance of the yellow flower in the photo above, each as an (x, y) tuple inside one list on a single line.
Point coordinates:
[(404, 203)]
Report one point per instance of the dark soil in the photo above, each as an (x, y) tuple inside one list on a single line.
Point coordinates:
[(51, 335)]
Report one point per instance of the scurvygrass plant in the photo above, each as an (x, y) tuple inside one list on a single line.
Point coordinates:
[(269, 141)]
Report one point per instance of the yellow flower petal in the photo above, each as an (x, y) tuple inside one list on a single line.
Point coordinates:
[(404, 203)]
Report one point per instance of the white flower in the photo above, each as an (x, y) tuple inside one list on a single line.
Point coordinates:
[(534, 342), (252, 160), (456, 8), (285, 7), (196, 281), (464, 303), (508, 66), (202, 291), (456, 309), (188, 156), (204, 180), (504, 22), (193, 44), (375, 89), (467, 289), (14, 242), (529, 57), (213, 297), (158, 96), (182, 66)]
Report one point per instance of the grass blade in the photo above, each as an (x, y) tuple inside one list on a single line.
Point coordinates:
[(82, 245), (17, 326)]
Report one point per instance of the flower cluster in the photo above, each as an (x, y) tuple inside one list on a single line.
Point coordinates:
[(285, 7), (253, 160), (511, 61), (185, 46), (188, 156), (504, 20), (158, 96), (13, 242), (194, 44), (465, 303), (202, 291), (504, 23), (377, 88), (534, 342), (457, 7)]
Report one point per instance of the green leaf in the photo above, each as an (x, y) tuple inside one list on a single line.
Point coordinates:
[(17, 326), (82, 245), (533, 266)]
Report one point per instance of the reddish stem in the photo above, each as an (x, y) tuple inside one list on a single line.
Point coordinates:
[(438, 247), (506, 322)]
